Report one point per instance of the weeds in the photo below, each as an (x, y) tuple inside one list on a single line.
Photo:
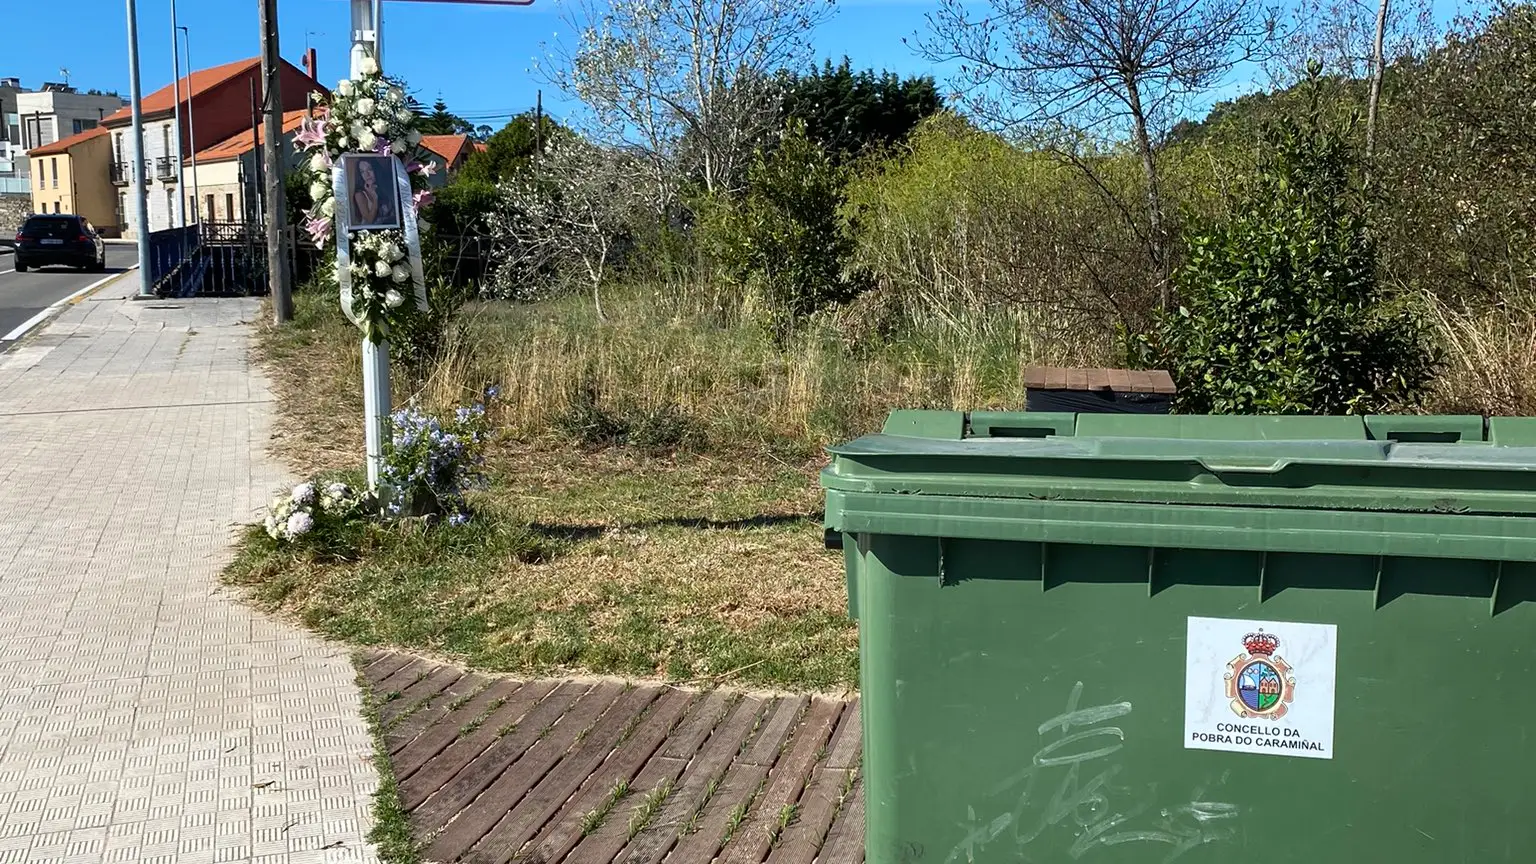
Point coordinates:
[(594, 819), (649, 807)]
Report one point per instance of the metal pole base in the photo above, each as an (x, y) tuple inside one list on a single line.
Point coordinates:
[(376, 409)]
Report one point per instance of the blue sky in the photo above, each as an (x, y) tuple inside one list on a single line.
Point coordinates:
[(478, 58)]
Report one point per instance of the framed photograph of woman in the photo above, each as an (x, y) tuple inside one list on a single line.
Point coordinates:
[(373, 199)]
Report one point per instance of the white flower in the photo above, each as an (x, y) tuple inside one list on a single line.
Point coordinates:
[(367, 140), (343, 143), (383, 269), (400, 274), (368, 66), (359, 271), (365, 107), (414, 137), (328, 208), (320, 164), (345, 88), (299, 524), (404, 115), (395, 95), (380, 126), (358, 128), (319, 191), (271, 526), (303, 494), (398, 146), (393, 298), (392, 252)]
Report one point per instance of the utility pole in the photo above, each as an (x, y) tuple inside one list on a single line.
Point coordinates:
[(136, 101), (192, 135), (278, 276), (181, 174), (538, 126)]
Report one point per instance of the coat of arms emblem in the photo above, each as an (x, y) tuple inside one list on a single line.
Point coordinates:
[(1259, 681)]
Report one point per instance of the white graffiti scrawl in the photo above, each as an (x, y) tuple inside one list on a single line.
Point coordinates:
[(1073, 784)]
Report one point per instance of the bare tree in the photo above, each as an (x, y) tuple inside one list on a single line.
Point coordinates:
[(1378, 69), (567, 222), (1066, 71), (1343, 36), (688, 84)]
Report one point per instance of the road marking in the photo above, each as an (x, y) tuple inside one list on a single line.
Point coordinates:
[(3, 272), (42, 316)]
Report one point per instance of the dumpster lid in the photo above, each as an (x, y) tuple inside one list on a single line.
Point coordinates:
[(1356, 474)]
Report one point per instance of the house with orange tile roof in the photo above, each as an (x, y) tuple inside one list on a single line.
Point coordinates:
[(69, 176), (216, 105), (226, 172), (451, 152)]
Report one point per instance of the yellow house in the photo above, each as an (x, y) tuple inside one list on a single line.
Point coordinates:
[(72, 175)]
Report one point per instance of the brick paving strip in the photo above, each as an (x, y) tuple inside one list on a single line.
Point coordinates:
[(494, 770), (145, 716)]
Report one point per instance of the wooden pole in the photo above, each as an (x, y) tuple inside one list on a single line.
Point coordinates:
[(279, 279)]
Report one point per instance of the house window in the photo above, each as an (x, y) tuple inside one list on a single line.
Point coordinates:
[(229, 205), (208, 202), (122, 210), (54, 165), (82, 125), (42, 176), (118, 148), (165, 136), (170, 208)]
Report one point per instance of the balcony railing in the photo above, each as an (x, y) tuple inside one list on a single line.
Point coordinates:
[(122, 173), (165, 168)]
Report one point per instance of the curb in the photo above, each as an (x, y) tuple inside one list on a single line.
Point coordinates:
[(57, 306)]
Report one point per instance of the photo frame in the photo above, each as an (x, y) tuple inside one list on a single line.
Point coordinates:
[(373, 198)]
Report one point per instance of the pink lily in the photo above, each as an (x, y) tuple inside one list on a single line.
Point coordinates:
[(310, 134), (319, 229), (421, 199)]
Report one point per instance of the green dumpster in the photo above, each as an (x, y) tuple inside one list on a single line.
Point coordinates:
[(1108, 638)]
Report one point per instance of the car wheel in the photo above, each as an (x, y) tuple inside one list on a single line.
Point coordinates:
[(20, 267)]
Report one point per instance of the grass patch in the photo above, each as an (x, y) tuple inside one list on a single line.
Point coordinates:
[(649, 807), (594, 819), (391, 833), (627, 531)]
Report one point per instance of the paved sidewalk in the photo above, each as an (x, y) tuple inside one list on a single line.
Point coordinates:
[(145, 715)]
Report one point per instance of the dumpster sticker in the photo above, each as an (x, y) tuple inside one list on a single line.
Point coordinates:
[(1262, 687)]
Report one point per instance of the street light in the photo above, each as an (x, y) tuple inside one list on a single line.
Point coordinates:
[(136, 103), (181, 177), (192, 131)]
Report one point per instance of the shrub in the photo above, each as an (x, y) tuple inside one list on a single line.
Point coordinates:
[(1279, 309), (785, 242)]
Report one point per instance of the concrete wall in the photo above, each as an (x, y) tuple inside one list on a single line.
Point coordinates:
[(13, 209)]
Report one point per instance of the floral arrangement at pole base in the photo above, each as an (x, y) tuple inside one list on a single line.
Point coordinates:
[(309, 506), (433, 461), (369, 114)]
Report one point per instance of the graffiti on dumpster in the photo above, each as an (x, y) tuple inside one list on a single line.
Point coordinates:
[(1057, 793)]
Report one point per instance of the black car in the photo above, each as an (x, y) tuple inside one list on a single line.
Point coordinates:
[(59, 238)]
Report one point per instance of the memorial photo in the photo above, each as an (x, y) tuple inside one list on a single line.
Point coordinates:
[(372, 195)]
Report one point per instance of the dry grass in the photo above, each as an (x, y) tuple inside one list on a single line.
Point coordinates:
[(702, 562), (1490, 359)]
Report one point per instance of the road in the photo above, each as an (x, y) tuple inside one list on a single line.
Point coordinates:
[(24, 295)]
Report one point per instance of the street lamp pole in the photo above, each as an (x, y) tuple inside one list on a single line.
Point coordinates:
[(181, 176), (367, 37), (192, 134), (136, 102)]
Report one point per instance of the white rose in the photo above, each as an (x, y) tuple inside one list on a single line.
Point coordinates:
[(368, 66), (365, 107), (400, 274), (414, 137), (319, 191), (383, 269), (343, 143), (358, 128), (395, 95), (404, 115), (367, 140), (392, 252), (398, 147), (393, 298), (328, 209), (380, 126), (345, 88), (318, 164)]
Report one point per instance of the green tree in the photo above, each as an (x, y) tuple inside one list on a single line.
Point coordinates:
[(846, 111), (441, 121), (785, 242), (1280, 311), (510, 150)]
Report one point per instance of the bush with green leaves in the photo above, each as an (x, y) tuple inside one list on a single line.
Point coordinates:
[(1279, 309), (785, 242)]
